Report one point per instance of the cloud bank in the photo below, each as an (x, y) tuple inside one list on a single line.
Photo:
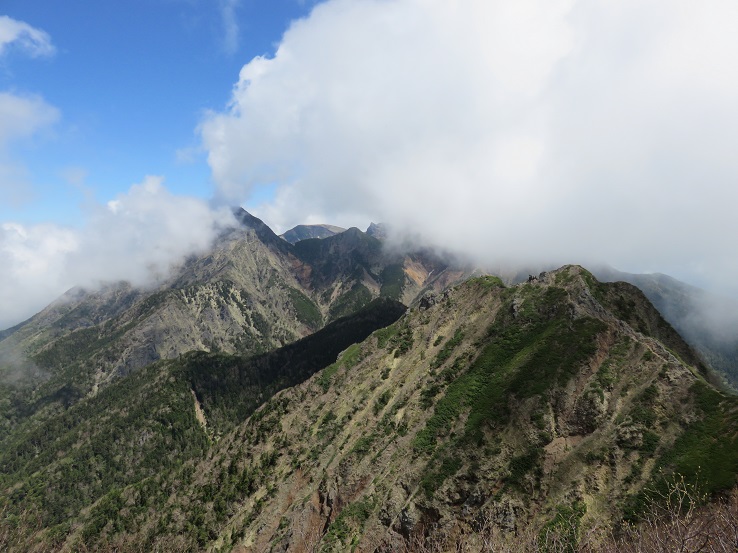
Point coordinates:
[(538, 131), (136, 237)]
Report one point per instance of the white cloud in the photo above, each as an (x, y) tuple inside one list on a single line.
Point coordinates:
[(34, 42), (138, 236), (76, 177), (20, 117), (15, 186), (187, 154), (230, 25), (32, 259), (529, 131)]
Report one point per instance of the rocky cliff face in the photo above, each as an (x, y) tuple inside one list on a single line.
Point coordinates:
[(377, 230), (504, 407)]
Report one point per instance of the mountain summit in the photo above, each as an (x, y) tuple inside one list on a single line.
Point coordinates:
[(302, 232)]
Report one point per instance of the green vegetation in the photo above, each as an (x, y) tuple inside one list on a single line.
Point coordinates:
[(348, 359), (307, 312), (326, 375), (641, 414), (402, 341), (704, 456), (350, 302), (428, 394), (522, 465), (78, 347), (385, 335), (521, 359), (350, 522), (433, 480), (351, 356), (708, 448), (630, 304), (524, 356), (447, 349), (607, 373), (382, 400), (487, 282), (230, 387), (565, 526), (132, 468), (130, 431), (363, 445), (650, 442), (393, 281), (597, 288), (564, 278)]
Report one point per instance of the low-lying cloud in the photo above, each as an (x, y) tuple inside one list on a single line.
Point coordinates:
[(137, 237), (536, 131)]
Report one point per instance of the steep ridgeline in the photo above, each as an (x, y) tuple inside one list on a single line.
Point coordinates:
[(503, 408), (252, 292), (145, 432), (708, 322)]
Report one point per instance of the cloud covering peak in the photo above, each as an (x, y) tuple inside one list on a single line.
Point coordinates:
[(136, 237), (536, 131)]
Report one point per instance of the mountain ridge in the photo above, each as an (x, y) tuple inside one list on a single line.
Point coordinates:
[(503, 402), (708, 322), (216, 409)]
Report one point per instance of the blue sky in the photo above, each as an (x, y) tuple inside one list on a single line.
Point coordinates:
[(130, 81), (521, 133)]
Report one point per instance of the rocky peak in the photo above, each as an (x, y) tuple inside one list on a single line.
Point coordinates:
[(377, 230), (303, 232)]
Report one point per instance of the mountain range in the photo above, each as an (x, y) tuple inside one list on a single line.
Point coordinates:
[(276, 393)]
